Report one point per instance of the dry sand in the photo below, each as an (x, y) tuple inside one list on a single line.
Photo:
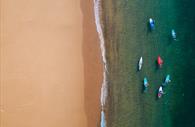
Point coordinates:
[(50, 65)]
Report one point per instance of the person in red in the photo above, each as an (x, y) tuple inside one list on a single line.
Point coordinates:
[(159, 61)]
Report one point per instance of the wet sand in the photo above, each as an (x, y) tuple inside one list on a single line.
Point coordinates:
[(93, 68), (50, 65)]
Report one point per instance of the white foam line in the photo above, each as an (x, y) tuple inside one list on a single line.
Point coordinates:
[(103, 50), (104, 88)]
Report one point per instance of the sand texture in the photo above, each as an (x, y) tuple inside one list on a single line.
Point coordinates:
[(45, 64)]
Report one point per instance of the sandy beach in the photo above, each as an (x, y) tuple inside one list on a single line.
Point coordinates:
[(50, 60)]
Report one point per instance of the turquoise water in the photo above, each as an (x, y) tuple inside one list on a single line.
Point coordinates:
[(127, 39)]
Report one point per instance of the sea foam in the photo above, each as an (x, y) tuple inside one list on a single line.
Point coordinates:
[(104, 88)]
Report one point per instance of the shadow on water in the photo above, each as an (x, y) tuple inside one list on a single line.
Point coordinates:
[(149, 29), (137, 68), (144, 90), (157, 68), (170, 40)]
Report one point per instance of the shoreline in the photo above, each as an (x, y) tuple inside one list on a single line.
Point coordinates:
[(51, 70), (93, 67)]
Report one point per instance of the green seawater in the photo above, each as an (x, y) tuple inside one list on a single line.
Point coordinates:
[(127, 39)]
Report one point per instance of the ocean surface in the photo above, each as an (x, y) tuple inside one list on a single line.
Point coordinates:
[(124, 38)]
